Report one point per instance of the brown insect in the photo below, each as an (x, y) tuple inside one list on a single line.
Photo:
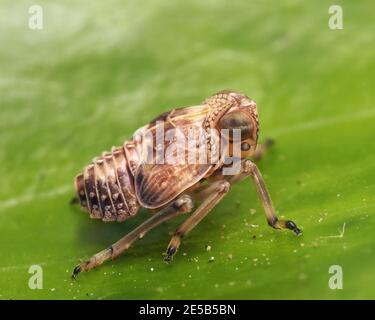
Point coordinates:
[(116, 185)]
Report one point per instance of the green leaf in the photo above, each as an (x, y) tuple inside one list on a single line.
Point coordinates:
[(97, 72)]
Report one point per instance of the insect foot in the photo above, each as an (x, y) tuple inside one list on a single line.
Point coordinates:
[(292, 226), (169, 254), (76, 271), (85, 266), (285, 224), (93, 262)]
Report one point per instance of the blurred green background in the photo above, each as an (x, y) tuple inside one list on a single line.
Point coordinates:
[(99, 70)]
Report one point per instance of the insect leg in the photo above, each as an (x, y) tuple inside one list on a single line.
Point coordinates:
[(183, 204), (74, 201), (250, 169), (215, 193), (262, 149)]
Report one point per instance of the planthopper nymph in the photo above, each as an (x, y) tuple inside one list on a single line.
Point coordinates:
[(181, 163)]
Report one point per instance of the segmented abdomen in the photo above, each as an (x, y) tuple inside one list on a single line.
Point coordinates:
[(105, 188)]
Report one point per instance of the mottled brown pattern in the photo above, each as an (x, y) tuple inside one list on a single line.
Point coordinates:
[(118, 183), (156, 185), (106, 188), (91, 192), (117, 197), (126, 182)]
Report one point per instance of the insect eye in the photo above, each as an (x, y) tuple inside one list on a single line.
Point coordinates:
[(245, 146), (237, 120)]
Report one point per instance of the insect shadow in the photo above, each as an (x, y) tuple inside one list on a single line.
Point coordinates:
[(102, 235), (96, 233)]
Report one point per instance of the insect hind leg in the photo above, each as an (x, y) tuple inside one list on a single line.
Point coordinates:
[(212, 194), (183, 204)]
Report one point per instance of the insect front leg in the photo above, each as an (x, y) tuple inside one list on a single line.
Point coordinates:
[(262, 149), (248, 168), (213, 194), (183, 204)]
